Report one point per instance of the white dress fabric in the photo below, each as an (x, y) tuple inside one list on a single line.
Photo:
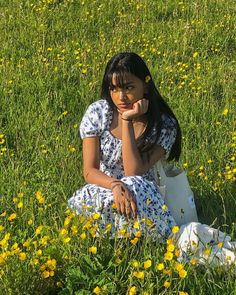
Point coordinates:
[(193, 239), (96, 122)]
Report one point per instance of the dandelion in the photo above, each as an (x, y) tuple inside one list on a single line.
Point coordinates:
[(30, 221), (39, 230), (147, 264), (193, 261), (66, 240), (138, 234), (136, 224), (195, 54), (20, 205), (139, 275), (97, 290), (93, 249), (220, 244), (182, 293), (179, 266), (1, 227), (96, 216)]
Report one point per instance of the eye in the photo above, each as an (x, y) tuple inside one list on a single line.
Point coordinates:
[(129, 88)]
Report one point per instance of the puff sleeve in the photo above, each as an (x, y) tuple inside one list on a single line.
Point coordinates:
[(94, 120), (168, 133)]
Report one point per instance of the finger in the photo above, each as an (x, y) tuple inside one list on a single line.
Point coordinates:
[(134, 208), (128, 209), (122, 208)]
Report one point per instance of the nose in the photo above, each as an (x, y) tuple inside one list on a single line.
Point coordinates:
[(122, 95)]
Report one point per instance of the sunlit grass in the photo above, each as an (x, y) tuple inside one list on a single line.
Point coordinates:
[(52, 58)]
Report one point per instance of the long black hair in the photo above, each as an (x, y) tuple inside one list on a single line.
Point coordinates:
[(129, 62)]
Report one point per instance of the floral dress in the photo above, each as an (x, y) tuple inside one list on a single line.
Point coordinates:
[(96, 122)]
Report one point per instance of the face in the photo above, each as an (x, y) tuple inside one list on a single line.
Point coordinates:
[(132, 91)]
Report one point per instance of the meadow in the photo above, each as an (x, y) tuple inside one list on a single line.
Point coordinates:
[(52, 58)]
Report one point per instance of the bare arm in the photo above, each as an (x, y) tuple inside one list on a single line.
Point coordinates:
[(91, 163), (134, 162)]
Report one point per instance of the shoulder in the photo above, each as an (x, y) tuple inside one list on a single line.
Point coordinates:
[(168, 121), (95, 119)]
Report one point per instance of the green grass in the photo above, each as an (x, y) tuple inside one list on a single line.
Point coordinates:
[(52, 58)]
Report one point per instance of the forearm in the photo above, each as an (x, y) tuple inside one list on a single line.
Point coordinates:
[(132, 160), (95, 176)]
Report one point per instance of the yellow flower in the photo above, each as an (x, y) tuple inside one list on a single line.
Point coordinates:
[(168, 256), (170, 248), (30, 221), (96, 216), (39, 230), (97, 290), (118, 260), (175, 229), (147, 79), (178, 266), (63, 232), (39, 252), (164, 207), (136, 224), (135, 263), (193, 261), (133, 291), (139, 275), (147, 264), (134, 241), (51, 264), (138, 234), (166, 284), (22, 256), (12, 217), (177, 252), (160, 266), (225, 112), (182, 273), (2, 140), (195, 54), (3, 214), (46, 274), (93, 249), (66, 240), (182, 293), (20, 205), (1, 227), (220, 244), (83, 236), (167, 272)]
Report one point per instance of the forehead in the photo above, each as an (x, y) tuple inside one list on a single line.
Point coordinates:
[(124, 78)]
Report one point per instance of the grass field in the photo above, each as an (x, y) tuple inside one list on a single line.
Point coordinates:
[(52, 57)]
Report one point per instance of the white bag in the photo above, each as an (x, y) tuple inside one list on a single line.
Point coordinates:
[(176, 192)]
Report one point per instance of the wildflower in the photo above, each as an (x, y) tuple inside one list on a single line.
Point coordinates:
[(51, 264), (175, 229), (2, 140), (182, 293), (170, 248), (167, 272), (93, 249), (46, 274), (147, 264), (97, 290), (168, 256), (133, 291), (39, 230), (20, 205), (177, 252), (193, 261), (134, 241), (39, 252), (135, 263), (139, 275), (1, 227), (220, 244), (136, 224), (22, 256), (138, 234), (66, 240), (147, 79), (164, 207), (182, 273), (166, 284), (225, 112), (83, 236), (74, 229), (96, 216), (179, 266), (118, 260), (63, 232), (195, 54), (3, 214), (30, 221), (12, 217), (160, 266)]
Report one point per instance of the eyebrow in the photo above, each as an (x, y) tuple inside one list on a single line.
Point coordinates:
[(125, 84)]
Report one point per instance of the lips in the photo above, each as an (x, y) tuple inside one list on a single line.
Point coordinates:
[(124, 105)]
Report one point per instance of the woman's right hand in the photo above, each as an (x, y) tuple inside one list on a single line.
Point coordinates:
[(124, 201)]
